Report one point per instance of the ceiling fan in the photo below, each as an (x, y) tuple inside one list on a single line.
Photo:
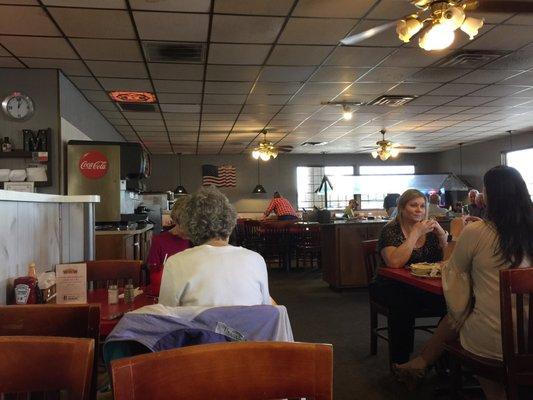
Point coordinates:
[(266, 150), (386, 149), (437, 21)]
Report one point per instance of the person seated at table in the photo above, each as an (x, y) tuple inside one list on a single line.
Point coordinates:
[(281, 207), (471, 208), (213, 273), (471, 277), (480, 204), (390, 203), (350, 211), (166, 244), (409, 238), (433, 208)]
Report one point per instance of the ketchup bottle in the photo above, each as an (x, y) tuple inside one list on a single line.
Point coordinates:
[(26, 288)]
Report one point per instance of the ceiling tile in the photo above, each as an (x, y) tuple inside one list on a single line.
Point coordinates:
[(298, 55), (285, 74), (108, 50), (391, 10), (172, 26), (520, 59), (228, 87), (438, 75), (85, 82), (416, 89), (167, 86), (142, 85), (276, 88), (432, 100), (486, 76), (199, 6), (470, 101), (232, 73), (244, 29), (69, 67), (338, 74), (118, 69), (332, 8), (176, 71), (44, 47), (250, 54), (358, 56), (525, 78), (10, 62), (414, 57), (221, 108), (119, 4), (26, 21), (499, 90), (96, 95), (385, 38), (255, 7), (103, 105), (186, 98), (20, 2), (388, 74), (93, 23), (458, 89), (503, 37), (316, 31), (323, 88)]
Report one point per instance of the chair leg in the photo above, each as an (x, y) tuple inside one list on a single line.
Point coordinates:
[(373, 336)]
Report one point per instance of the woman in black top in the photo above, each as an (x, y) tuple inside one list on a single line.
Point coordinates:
[(409, 238)]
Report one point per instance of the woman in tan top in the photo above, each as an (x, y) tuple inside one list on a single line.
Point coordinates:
[(471, 278)]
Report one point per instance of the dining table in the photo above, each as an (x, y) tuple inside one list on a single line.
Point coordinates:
[(432, 285), (110, 314)]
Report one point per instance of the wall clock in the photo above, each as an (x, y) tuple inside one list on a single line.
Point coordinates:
[(18, 106)]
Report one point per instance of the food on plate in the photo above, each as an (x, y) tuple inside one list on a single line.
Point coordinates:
[(426, 269)]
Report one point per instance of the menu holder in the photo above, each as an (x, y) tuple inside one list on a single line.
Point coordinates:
[(71, 283)]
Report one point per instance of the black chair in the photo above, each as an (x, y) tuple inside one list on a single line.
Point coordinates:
[(308, 246), (372, 261)]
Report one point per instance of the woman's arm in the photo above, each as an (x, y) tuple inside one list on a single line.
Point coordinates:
[(441, 234)]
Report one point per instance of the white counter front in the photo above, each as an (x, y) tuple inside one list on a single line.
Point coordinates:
[(44, 229)]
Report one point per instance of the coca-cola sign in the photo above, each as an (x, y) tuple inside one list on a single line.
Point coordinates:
[(93, 164)]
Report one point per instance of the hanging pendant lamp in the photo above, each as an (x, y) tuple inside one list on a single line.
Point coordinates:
[(180, 190), (258, 189)]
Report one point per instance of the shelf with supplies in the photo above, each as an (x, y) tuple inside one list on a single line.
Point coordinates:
[(36, 155)]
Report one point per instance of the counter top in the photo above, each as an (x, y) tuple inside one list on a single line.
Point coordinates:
[(348, 222), (130, 232), (11, 195)]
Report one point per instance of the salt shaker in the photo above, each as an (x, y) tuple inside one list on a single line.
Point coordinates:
[(112, 294), (129, 292)]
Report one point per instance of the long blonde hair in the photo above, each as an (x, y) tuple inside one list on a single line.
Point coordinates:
[(405, 198)]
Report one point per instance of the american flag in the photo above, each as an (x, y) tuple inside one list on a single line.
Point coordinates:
[(223, 176)]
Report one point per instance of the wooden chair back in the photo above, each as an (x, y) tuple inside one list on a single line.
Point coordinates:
[(101, 271), (73, 320), (44, 363), (371, 258), (243, 370), (516, 287)]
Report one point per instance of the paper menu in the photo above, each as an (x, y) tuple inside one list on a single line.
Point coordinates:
[(71, 283)]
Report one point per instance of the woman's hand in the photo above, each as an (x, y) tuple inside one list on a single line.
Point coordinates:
[(439, 230), (422, 227)]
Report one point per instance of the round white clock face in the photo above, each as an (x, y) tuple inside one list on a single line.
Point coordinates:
[(18, 106)]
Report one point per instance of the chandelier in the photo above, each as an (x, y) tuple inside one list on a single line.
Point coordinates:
[(265, 151), (438, 28), (385, 152)]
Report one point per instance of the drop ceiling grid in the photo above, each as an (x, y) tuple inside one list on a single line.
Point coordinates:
[(81, 60)]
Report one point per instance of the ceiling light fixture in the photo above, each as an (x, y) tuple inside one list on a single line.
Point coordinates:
[(265, 150), (438, 28), (180, 190), (258, 189), (132, 97), (347, 113)]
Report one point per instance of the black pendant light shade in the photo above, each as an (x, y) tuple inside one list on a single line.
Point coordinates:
[(258, 189), (180, 190)]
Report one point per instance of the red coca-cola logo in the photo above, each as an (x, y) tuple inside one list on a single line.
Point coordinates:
[(93, 165)]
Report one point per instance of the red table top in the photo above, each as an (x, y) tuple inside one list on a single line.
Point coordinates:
[(432, 285), (108, 310)]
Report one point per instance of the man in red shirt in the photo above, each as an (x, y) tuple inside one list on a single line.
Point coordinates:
[(282, 208)]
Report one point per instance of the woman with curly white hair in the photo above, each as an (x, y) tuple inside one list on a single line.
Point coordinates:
[(213, 273)]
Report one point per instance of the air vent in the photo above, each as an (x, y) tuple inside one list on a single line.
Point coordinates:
[(470, 58), (174, 52), (137, 107), (391, 101), (314, 143)]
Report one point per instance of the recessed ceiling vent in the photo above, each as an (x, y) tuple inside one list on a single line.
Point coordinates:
[(391, 101), (314, 143), (174, 52), (146, 107), (470, 58)]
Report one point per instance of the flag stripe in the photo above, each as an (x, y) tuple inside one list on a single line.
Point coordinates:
[(223, 176)]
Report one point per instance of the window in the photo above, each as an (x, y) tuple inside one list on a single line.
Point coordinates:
[(521, 160), (376, 181), (309, 180)]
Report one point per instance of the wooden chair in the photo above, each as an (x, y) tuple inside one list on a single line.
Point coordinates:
[(516, 369), (101, 271), (78, 321), (44, 363), (308, 244), (372, 261), (517, 340), (238, 370)]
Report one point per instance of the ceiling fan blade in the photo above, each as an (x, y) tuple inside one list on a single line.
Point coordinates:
[(405, 147), (285, 150), (359, 37), (284, 147), (505, 6)]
